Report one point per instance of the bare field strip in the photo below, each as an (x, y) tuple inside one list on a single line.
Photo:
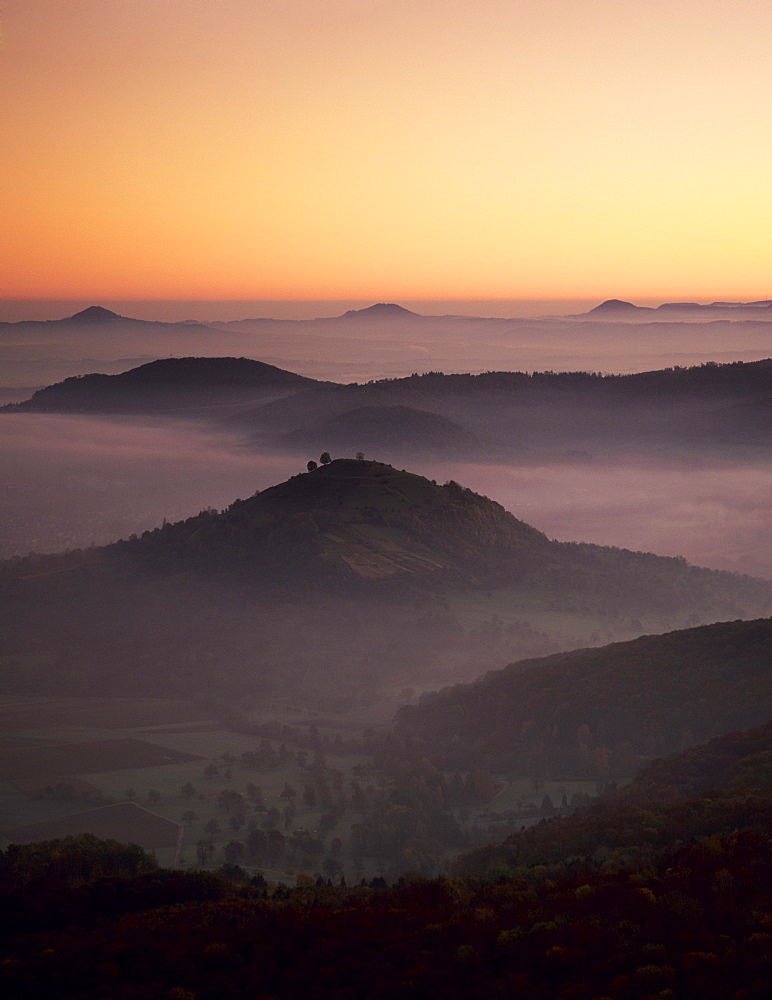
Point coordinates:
[(42, 763), (201, 727), (103, 713), (207, 744), (125, 822)]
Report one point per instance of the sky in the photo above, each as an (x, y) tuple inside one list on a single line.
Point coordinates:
[(385, 149)]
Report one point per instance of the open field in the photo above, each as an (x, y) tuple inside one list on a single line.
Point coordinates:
[(45, 763), (198, 793), (21, 713), (124, 821)]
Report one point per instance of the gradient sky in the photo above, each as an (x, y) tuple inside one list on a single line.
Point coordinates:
[(243, 149)]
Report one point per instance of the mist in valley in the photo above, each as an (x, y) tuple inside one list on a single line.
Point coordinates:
[(253, 656), (358, 345)]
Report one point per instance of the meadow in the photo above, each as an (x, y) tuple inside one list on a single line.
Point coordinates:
[(285, 805)]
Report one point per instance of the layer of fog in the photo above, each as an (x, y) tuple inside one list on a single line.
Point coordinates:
[(72, 481), (717, 516)]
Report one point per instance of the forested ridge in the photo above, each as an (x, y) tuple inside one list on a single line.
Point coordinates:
[(165, 384), (591, 712)]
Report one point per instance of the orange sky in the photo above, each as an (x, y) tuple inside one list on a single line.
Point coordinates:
[(414, 149)]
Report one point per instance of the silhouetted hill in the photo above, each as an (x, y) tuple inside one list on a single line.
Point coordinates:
[(705, 408), (614, 307), (381, 310), (591, 712), (388, 428), (167, 384), (621, 311), (96, 314)]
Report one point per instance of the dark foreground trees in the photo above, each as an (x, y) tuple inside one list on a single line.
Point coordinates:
[(662, 892), (694, 924)]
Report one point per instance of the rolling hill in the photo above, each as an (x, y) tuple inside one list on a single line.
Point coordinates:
[(590, 712), (709, 790), (708, 408), (703, 408), (169, 384), (332, 583), (384, 429)]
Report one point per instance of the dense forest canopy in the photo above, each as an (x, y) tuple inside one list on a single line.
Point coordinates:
[(589, 712), (625, 902)]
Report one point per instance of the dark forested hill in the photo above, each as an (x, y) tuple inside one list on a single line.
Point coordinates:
[(352, 522), (703, 407), (386, 429), (360, 523), (594, 712), (167, 384), (355, 571)]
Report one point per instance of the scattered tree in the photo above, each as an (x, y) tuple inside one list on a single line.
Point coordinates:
[(204, 851), (233, 851), (212, 827), (312, 465), (325, 458)]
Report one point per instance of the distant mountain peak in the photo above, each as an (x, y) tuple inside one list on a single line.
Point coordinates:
[(614, 305), (96, 314), (381, 310)]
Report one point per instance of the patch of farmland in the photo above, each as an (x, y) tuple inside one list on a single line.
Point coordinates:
[(125, 822), (198, 727), (207, 744), (102, 713), (41, 763)]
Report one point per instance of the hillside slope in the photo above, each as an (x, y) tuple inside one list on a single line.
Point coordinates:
[(592, 712), (419, 580), (349, 523), (709, 790)]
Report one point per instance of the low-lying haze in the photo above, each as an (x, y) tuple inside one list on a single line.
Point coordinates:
[(325, 343)]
